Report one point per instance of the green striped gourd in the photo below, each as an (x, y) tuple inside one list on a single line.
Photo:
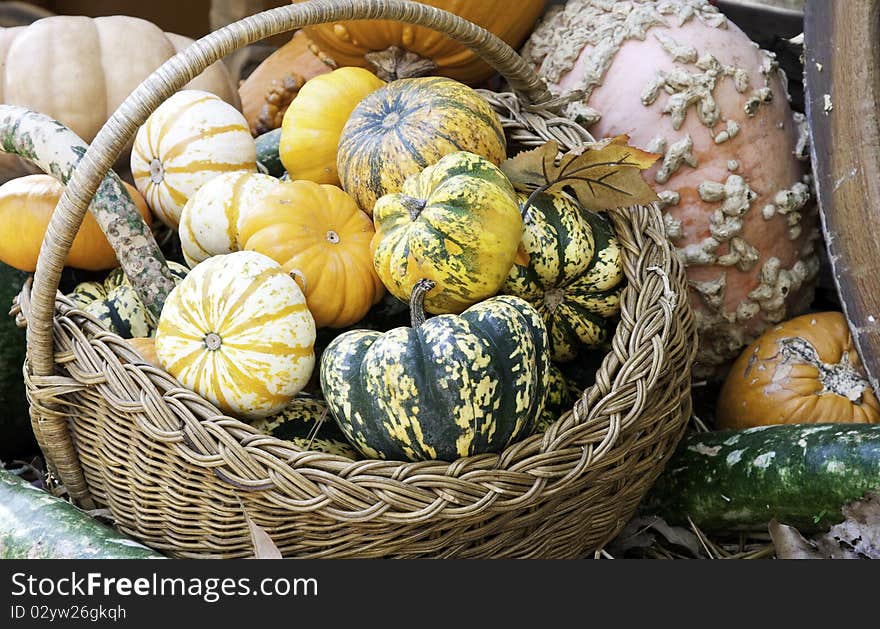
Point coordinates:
[(570, 270), (406, 126), (456, 223), (307, 423), (114, 303), (448, 387)]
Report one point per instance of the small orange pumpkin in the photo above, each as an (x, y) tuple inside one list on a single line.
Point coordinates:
[(320, 236), (26, 205), (803, 371), (146, 347)]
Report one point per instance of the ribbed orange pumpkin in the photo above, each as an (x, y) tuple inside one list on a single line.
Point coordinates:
[(356, 43), (317, 233), (26, 205), (803, 371)]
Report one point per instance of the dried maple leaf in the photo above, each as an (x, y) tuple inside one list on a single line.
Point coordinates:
[(264, 547), (856, 537), (602, 174)]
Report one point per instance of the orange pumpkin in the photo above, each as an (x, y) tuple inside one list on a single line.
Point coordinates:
[(146, 347), (386, 47), (320, 236), (26, 205), (803, 371)]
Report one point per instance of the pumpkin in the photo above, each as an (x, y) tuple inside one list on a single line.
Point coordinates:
[(313, 123), (26, 205), (317, 233), (407, 125), (268, 90), (211, 219), (400, 50), (78, 70), (802, 371), (146, 347), (570, 270), (115, 304), (190, 138), (684, 81), (307, 423), (456, 223), (237, 331), (448, 387)]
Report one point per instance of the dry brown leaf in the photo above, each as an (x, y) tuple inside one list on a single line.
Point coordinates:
[(602, 175), (857, 537), (640, 532), (264, 547)]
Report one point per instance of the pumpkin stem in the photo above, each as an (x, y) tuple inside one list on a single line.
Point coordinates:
[(417, 301), (396, 63), (413, 205)]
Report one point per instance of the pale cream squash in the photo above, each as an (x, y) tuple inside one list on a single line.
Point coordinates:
[(78, 70), (191, 138), (211, 220), (237, 331)]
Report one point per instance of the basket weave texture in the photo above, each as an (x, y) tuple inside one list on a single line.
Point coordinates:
[(183, 478)]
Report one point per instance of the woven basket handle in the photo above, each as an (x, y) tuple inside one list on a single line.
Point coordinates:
[(187, 64)]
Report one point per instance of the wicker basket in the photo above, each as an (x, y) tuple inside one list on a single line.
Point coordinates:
[(183, 478)]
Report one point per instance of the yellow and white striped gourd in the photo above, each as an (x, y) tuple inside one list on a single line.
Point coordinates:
[(237, 331), (211, 219), (190, 138)]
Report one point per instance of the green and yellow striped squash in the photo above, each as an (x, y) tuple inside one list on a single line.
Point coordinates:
[(570, 270), (210, 222), (408, 125), (457, 223), (237, 331), (448, 387), (307, 423), (190, 138), (115, 303), (559, 399)]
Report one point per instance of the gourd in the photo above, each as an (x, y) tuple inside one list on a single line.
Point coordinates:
[(739, 480), (189, 139), (146, 347), (457, 223), (268, 159), (317, 233), (314, 120), (557, 400), (684, 81), (237, 331), (78, 69), (448, 387), (410, 124), (268, 90), (26, 205), (115, 303), (56, 150), (805, 370), (399, 50), (211, 219), (307, 423), (569, 269)]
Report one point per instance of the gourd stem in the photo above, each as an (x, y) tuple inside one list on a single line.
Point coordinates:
[(413, 205), (395, 63), (417, 301)]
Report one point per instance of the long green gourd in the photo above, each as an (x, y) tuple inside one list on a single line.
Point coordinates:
[(36, 525), (57, 150)]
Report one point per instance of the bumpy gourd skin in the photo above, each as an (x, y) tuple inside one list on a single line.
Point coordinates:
[(456, 223), (410, 124), (453, 386), (570, 270)]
